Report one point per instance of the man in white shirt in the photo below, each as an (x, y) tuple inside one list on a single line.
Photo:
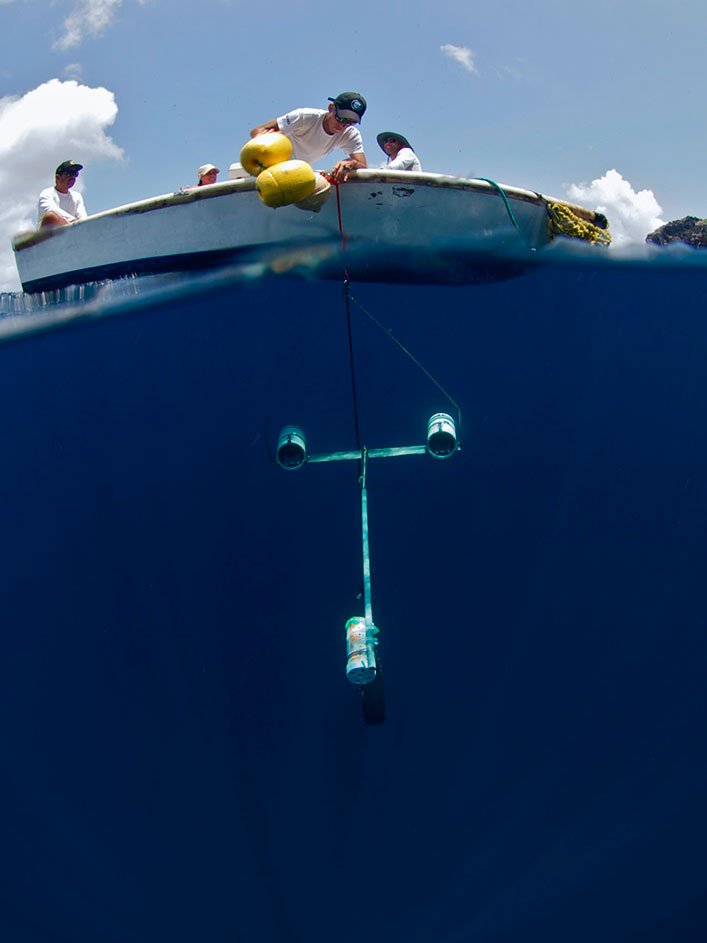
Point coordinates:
[(315, 133), (397, 149), (57, 205)]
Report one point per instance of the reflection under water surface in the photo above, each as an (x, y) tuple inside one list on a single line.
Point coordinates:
[(183, 756)]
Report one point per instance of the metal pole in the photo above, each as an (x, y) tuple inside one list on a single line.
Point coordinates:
[(364, 535)]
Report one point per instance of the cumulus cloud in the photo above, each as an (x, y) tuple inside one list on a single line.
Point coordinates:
[(632, 215), (88, 18), (54, 122), (462, 55)]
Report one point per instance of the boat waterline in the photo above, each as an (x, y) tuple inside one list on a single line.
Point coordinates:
[(213, 225)]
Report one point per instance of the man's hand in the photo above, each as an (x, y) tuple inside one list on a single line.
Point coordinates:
[(341, 171), (264, 128)]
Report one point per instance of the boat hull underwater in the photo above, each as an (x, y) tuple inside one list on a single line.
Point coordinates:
[(390, 212)]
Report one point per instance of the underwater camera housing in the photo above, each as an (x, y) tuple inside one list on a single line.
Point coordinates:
[(291, 451), (441, 436), (362, 663)]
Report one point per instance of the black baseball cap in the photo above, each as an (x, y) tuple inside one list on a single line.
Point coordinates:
[(69, 167), (351, 106)]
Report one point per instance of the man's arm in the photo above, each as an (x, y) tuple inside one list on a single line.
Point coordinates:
[(262, 128), (360, 159), (49, 213), (355, 161), (403, 161), (80, 207)]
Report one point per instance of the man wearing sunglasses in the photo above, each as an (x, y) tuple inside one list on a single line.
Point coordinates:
[(315, 133), (58, 206), (399, 152)]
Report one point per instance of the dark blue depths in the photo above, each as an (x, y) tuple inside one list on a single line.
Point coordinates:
[(182, 757)]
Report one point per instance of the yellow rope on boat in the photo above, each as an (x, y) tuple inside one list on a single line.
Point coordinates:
[(563, 222)]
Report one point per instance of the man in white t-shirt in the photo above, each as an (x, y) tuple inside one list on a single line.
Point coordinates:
[(399, 152), (315, 133), (57, 205)]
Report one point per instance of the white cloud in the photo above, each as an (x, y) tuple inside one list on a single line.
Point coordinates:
[(73, 70), (54, 122), (632, 215), (88, 18), (462, 55)]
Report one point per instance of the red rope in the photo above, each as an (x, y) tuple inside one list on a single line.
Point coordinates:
[(347, 305), (335, 184)]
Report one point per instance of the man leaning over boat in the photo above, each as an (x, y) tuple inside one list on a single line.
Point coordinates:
[(315, 133), (57, 205)]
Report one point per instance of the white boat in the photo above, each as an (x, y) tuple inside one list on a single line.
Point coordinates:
[(224, 222)]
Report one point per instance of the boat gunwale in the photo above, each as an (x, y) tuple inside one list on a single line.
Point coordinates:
[(29, 238)]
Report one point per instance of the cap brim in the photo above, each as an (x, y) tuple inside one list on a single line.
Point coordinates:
[(392, 134), (348, 115)]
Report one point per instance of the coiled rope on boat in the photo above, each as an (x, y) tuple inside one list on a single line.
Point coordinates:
[(563, 222)]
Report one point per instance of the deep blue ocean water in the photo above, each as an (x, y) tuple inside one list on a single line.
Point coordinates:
[(182, 756)]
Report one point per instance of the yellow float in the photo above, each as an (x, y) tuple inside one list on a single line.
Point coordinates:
[(264, 151), (285, 183)]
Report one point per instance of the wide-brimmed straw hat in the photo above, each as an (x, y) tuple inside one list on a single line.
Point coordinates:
[(393, 134)]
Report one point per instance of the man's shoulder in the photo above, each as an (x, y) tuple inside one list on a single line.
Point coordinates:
[(302, 116), (353, 136), (47, 191)]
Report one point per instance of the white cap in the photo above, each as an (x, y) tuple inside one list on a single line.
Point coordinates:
[(205, 168)]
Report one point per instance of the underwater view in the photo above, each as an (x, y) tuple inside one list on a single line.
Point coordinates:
[(183, 755)]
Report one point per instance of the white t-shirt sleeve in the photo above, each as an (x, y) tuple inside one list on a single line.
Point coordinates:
[(352, 142), (405, 159), (49, 202), (298, 120), (80, 206)]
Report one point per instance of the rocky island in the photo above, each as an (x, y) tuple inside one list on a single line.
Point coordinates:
[(690, 230)]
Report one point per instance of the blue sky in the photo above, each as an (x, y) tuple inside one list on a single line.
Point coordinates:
[(550, 96)]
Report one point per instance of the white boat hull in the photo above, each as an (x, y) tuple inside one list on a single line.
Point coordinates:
[(216, 224)]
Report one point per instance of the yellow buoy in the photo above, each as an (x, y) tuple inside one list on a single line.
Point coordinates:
[(286, 183), (265, 150)]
